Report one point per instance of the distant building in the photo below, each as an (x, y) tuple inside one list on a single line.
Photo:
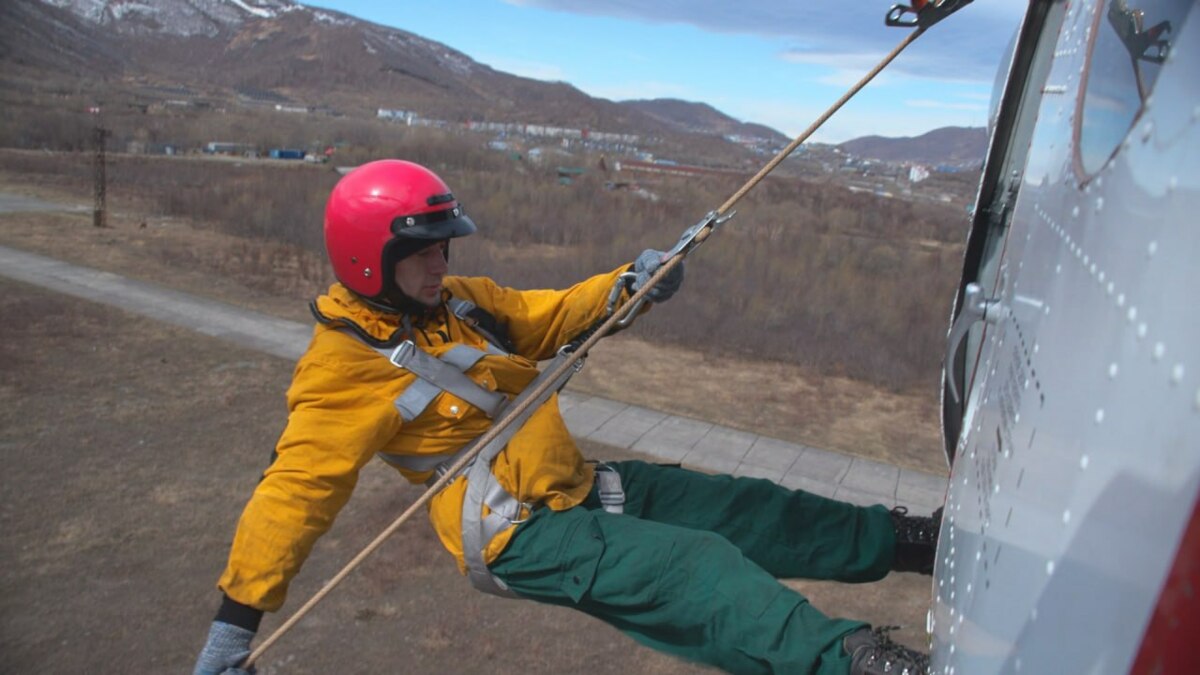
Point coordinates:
[(567, 174), (227, 148), (670, 167), (917, 173), (406, 116), (148, 148)]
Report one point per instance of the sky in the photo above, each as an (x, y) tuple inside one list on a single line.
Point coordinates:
[(775, 62)]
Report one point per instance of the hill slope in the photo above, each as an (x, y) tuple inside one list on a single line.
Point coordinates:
[(280, 51), (963, 146)]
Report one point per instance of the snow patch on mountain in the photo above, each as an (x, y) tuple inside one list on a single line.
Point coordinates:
[(174, 17), (91, 10), (212, 18), (324, 17), (256, 11), (120, 11)]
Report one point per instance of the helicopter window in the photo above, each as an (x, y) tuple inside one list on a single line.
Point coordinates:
[(1132, 40)]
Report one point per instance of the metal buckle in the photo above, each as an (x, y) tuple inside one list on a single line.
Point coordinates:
[(687, 241), (402, 354), (528, 506), (623, 280)]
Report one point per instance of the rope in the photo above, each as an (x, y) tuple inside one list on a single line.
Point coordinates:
[(580, 352)]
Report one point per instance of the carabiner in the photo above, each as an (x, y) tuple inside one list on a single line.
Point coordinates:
[(687, 241), (924, 13), (623, 281)]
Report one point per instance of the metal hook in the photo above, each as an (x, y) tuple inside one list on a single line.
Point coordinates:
[(924, 13)]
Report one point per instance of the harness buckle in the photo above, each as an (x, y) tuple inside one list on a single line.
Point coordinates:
[(402, 354), (528, 506), (609, 489)]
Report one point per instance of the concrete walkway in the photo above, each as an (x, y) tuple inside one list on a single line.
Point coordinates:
[(669, 438)]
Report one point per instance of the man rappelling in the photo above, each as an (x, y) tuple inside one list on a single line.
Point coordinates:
[(415, 366)]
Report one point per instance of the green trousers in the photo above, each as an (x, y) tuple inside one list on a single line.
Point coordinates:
[(691, 566)]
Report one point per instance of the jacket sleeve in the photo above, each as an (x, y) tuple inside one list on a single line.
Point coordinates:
[(333, 429), (541, 321)]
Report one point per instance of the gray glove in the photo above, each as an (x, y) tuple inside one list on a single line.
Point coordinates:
[(227, 646), (644, 267)]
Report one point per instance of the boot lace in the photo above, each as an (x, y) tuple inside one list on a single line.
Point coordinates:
[(913, 528), (887, 656)]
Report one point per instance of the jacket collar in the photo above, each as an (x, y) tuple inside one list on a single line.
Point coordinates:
[(340, 306)]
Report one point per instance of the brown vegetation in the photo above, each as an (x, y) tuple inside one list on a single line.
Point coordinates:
[(839, 283)]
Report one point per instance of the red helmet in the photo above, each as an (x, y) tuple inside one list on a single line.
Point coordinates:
[(380, 213)]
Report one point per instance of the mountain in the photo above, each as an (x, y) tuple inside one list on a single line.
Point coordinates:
[(278, 51), (701, 118), (958, 146)]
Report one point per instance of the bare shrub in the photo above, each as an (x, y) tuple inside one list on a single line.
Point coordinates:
[(806, 273)]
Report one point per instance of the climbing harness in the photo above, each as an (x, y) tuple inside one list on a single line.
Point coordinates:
[(924, 13), (446, 373)]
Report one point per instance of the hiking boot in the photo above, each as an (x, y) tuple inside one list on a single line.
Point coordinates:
[(872, 652), (916, 541)]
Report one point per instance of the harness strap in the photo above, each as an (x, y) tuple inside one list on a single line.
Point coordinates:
[(446, 373), (504, 510), (415, 399), (484, 323), (478, 530), (608, 484)]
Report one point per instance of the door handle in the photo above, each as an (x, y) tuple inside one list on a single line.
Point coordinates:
[(976, 307)]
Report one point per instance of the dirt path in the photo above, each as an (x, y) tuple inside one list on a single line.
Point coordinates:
[(777, 400)]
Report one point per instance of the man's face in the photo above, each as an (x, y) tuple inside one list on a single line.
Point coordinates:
[(419, 275)]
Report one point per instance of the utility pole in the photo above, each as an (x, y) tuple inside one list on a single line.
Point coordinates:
[(100, 135)]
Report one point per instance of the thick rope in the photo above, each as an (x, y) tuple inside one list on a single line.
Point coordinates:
[(791, 147), (580, 352)]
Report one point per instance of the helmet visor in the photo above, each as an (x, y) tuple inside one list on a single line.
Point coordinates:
[(445, 224)]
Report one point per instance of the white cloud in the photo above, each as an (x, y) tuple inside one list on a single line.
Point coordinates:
[(945, 105), (846, 60), (844, 79), (977, 96), (965, 46)]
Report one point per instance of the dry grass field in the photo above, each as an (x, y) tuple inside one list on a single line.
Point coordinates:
[(722, 381), (131, 447)]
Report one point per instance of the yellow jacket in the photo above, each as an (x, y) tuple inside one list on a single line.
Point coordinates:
[(342, 412)]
